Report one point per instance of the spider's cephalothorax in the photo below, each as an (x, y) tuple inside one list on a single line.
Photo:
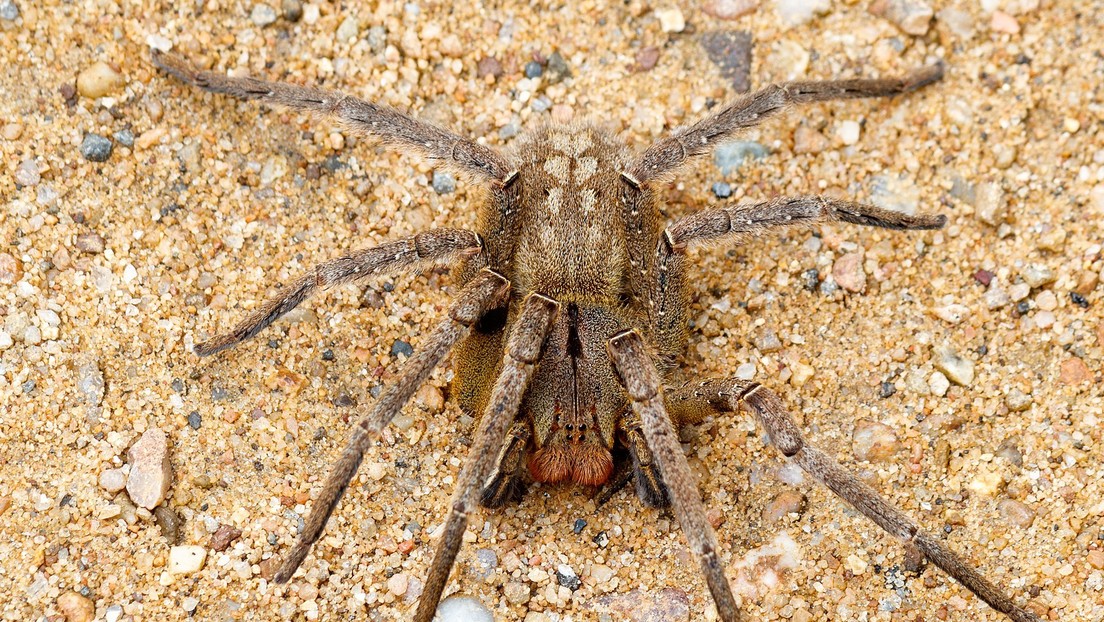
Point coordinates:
[(571, 314)]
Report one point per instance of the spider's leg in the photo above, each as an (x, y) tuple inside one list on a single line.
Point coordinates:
[(727, 395), (638, 374), (523, 351), (364, 117), (506, 484), (437, 245), (669, 153), (485, 291)]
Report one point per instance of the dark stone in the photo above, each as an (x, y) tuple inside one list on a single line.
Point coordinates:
[(557, 70), (886, 389), (224, 536), (730, 50), (488, 66), (533, 69), (984, 277), (722, 190), (194, 420), (579, 525), (401, 347), (96, 148)]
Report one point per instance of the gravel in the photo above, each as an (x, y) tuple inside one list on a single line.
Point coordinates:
[(730, 51), (96, 148)]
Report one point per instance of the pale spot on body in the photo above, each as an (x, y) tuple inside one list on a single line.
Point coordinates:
[(585, 169), (554, 201), (558, 167), (588, 199)]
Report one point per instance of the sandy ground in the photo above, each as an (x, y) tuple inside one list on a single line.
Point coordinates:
[(110, 271)]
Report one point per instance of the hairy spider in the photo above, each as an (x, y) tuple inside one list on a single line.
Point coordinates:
[(572, 312)]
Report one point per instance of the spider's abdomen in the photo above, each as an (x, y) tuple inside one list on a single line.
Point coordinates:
[(571, 243)]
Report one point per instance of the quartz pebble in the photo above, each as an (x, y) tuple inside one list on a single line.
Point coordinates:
[(784, 503), (76, 607), (1037, 275), (98, 80), (262, 15), (953, 313), (517, 593), (911, 16), (848, 272), (462, 609), (1016, 513), (150, 469), (958, 370), (11, 269), (848, 132), (730, 9), (27, 174), (874, 442), (990, 204), (9, 10), (938, 384), (797, 12), (671, 20), (1016, 400), (443, 182), (112, 480), (808, 140), (186, 559)]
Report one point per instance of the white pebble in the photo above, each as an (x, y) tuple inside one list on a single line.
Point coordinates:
[(463, 609), (848, 132), (671, 20), (938, 384), (958, 370), (186, 559)]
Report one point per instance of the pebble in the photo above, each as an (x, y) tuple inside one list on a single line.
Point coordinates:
[(722, 190), (730, 9), (1016, 513), (848, 272), (98, 80), (894, 193), (647, 58), (797, 12), (1037, 275), (938, 384), (1018, 292), (533, 69), (401, 347), (462, 609), (1003, 22), (517, 593), (348, 30), (730, 50), (1046, 300), (9, 10), (194, 420), (293, 10), (27, 173), (262, 15), (224, 536), (671, 20), (398, 583), (872, 441), (1017, 401), (991, 205), (488, 562), (729, 156), (11, 131), (1074, 371), (556, 69), (11, 269), (800, 374), (566, 577), (957, 369), (958, 21), (186, 559), (911, 16), (150, 469), (784, 503), (169, 522), (443, 182), (767, 341), (96, 148), (189, 603), (848, 132), (638, 605), (1095, 558), (808, 140), (601, 573), (112, 480), (76, 607), (124, 137), (953, 313), (488, 66)]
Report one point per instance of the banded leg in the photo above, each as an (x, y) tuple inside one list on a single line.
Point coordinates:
[(727, 395), (364, 117), (638, 374), (523, 351), (506, 484), (675, 150), (484, 292), (410, 253)]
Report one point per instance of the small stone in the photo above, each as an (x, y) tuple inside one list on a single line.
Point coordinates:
[(124, 137), (785, 503), (1046, 300), (488, 562), (1016, 400), (1016, 513), (293, 10), (601, 574), (722, 190), (800, 374), (262, 15), (11, 269), (991, 205), (533, 69), (729, 156), (730, 50), (398, 583), (11, 131), (938, 384), (671, 20), (488, 66), (1074, 371), (953, 313), (848, 132), (647, 58), (1003, 22), (556, 69), (874, 442), (169, 522), (958, 21), (189, 604), (911, 16), (348, 30), (984, 277), (730, 9), (517, 593), (797, 12), (462, 609), (1095, 558), (112, 480), (848, 272), (808, 140), (1037, 275), (9, 10), (98, 80), (76, 607), (1018, 292), (1071, 125), (194, 420), (894, 193), (224, 536), (443, 183), (401, 347), (96, 148), (767, 341), (27, 174), (566, 577), (186, 559), (957, 369), (150, 469)]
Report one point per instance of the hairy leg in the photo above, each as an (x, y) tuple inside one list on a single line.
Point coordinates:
[(506, 484), (486, 291), (523, 351)]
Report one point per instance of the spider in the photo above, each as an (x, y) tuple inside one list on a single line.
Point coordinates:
[(571, 314)]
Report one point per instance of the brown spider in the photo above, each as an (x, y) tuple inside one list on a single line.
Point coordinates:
[(572, 313)]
